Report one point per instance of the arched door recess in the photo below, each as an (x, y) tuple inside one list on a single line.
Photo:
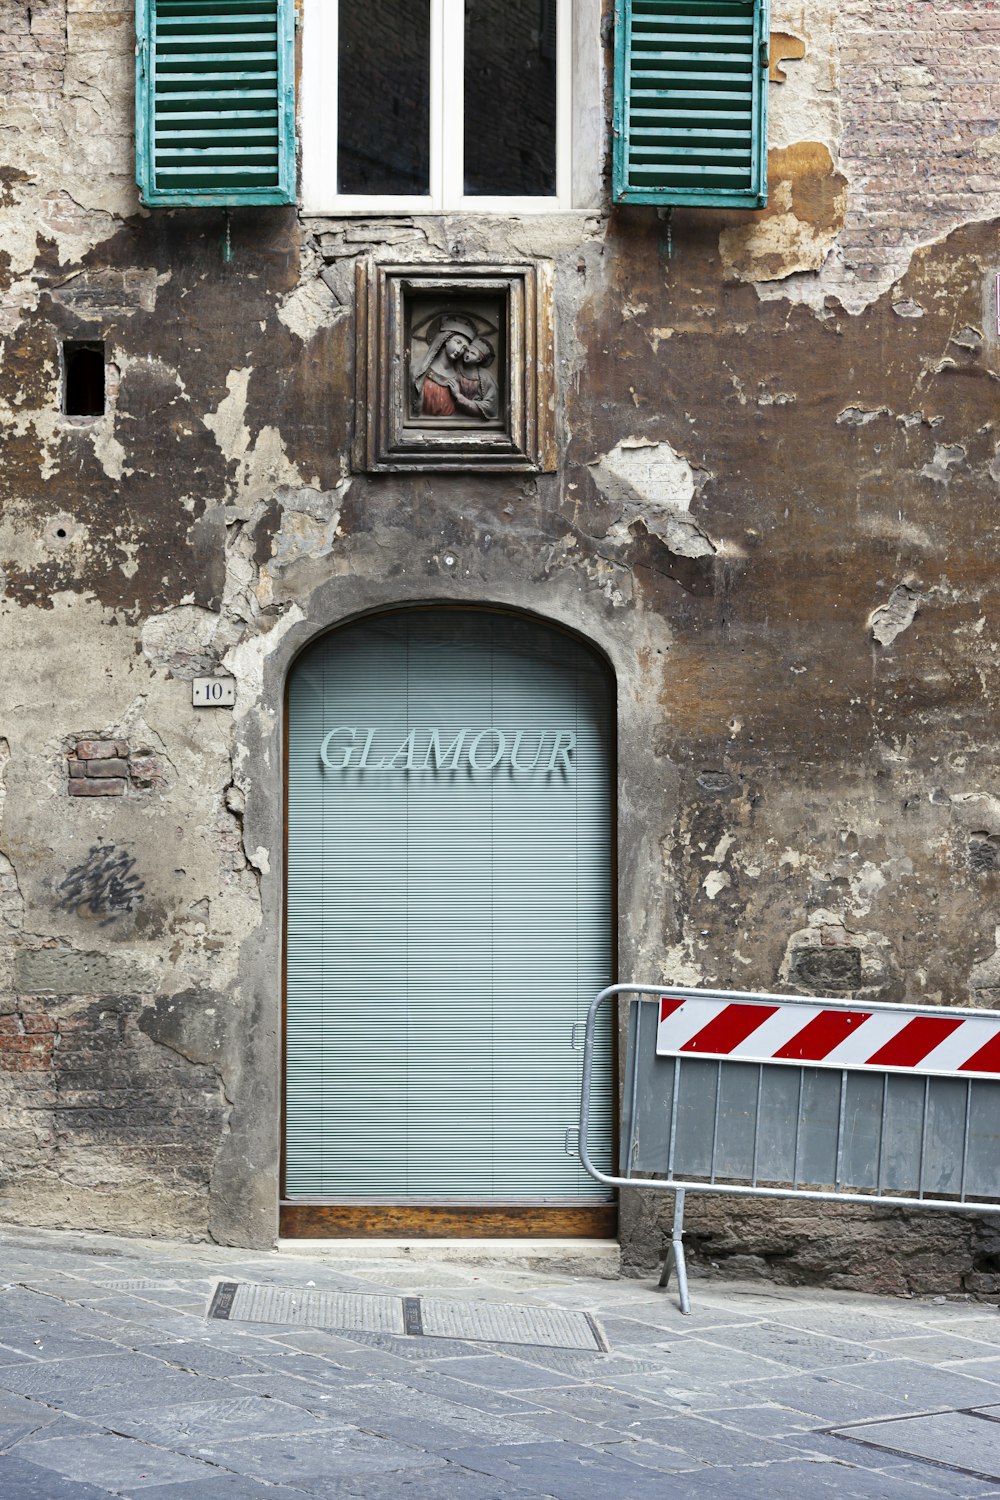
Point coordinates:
[(449, 919)]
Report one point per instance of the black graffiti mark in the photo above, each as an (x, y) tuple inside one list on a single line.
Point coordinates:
[(102, 883)]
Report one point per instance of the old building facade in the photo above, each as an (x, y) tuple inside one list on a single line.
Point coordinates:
[(758, 503)]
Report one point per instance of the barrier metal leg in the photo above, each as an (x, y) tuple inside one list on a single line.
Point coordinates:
[(675, 1256)]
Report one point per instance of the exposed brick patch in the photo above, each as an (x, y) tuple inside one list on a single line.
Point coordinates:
[(101, 1103), (920, 90), (146, 770), (26, 1042), (107, 768), (32, 47)]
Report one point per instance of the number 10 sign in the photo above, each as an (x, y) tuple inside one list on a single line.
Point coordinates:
[(213, 692)]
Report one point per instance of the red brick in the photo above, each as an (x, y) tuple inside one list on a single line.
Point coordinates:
[(95, 788), (106, 767), (99, 749), (25, 1054)]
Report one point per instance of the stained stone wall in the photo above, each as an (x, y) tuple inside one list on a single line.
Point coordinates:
[(775, 510)]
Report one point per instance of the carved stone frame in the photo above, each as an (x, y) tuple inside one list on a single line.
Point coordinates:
[(385, 440)]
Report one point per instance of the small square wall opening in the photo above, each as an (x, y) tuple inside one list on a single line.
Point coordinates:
[(83, 378)]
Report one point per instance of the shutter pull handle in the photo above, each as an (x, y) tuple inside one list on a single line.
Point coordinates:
[(572, 1140), (765, 54), (576, 1031)]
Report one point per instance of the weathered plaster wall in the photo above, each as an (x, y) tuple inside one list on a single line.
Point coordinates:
[(775, 511)]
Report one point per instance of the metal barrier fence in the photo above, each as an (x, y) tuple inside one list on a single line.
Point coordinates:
[(776, 1096)]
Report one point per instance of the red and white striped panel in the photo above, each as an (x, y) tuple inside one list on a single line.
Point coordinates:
[(907, 1040)]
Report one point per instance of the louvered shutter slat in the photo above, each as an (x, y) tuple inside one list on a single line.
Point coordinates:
[(691, 102), (215, 102)]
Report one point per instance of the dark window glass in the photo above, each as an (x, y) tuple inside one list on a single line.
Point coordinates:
[(510, 97), (383, 114), (83, 387)]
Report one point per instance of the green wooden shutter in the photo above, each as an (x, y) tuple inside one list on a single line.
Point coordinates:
[(690, 122), (447, 927), (215, 102)]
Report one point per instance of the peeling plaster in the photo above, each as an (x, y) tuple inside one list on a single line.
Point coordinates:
[(656, 485), (110, 452), (807, 202), (650, 471), (310, 525), (824, 939), (227, 423), (806, 104), (261, 465), (246, 659), (946, 458), (889, 620), (907, 308), (861, 416), (313, 304), (187, 641), (715, 882)]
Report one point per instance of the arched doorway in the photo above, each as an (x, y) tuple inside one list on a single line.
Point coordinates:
[(449, 920)]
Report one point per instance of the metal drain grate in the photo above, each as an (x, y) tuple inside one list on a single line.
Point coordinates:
[(499, 1323), (482, 1322)]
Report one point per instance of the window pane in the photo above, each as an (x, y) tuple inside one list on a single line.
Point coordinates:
[(383, 115), (510, 97)]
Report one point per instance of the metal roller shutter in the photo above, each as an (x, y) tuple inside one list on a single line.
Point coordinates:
[(446, 928)]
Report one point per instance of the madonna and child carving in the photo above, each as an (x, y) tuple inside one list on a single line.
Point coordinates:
[(348, 747), (450, 375)]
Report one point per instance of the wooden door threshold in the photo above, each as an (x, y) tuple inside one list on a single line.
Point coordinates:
[(448, 1221)]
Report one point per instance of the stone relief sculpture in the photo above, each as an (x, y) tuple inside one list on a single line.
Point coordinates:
[(455, 368), (450, 378)]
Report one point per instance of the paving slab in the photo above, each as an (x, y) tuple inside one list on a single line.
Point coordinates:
[(43, 1344), (54, 1379), (165, 1390), (702, 1440), (447, 1482), (204, 1358), (499, 1372), (185, 1426), (763, 1421), (110, 1460), (12, 1433), (932, 1348), (311, 1464), (221, 1487), (933, 1480), (923, 1386), (797, 1348), (569, 1473), (22, 1480), (958, 1440), (467, 1393), (825, 1398)]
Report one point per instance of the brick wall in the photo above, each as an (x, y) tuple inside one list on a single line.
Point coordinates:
[(90, 1100), (32, 48), (920, 97)]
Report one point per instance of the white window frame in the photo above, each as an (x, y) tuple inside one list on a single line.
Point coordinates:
[(447, 124)]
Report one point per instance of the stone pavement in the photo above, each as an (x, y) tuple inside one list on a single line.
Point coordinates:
[(113, 1381)]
